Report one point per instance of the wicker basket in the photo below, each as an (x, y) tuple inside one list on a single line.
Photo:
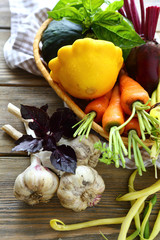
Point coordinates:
[(60, 92)]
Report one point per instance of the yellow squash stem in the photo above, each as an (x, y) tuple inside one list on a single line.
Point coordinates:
[(60, 226), (129, 217), (156, 228), (141, 193)]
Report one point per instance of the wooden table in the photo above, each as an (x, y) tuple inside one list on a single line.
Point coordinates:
[(20, 221)]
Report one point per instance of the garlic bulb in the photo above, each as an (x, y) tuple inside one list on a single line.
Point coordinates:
[(80, 190), (84, 150), (36, 184)]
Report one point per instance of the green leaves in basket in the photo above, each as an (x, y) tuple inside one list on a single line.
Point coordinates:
[(100, 19)]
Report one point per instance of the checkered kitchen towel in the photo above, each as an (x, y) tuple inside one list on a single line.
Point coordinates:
[(26, 18)]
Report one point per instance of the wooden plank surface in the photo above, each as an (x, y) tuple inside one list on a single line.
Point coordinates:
[(20, 221)]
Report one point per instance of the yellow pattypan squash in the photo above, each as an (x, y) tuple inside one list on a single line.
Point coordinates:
[(88, 68)]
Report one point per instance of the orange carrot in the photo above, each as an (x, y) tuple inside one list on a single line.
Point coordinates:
[(114, 115), (133, 125), (98, 106), (131, 91)]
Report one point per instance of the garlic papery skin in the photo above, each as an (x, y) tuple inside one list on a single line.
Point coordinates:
[(36, 184), (85, 152), (80, 190)]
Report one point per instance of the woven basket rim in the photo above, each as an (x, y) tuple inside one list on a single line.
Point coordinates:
[(60, 92)]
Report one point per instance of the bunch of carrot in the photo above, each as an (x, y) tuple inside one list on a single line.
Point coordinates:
[(128, 99)]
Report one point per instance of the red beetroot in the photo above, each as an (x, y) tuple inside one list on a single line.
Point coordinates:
[(143, 62), (143, 65)]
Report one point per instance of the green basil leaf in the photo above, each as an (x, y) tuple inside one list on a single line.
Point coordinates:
[(68, 12), (65, 3), (122, 35), (116, 5), (92, 5), (108, 17)]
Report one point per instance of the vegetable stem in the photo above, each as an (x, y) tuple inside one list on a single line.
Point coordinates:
[(85, 125)]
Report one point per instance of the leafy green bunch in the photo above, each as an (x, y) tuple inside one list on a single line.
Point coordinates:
[(100, 17)]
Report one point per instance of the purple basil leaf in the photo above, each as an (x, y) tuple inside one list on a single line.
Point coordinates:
[(44, 107), (28, 143), (62, 120), (55, 126), (49, 143), (40, 119), (64, 159)]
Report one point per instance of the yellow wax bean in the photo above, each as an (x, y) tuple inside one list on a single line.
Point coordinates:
[(158, 93), (156, 228), (129, 217), (145, 220), (60, 226), (154, 97), (141, 193), (131, 189)]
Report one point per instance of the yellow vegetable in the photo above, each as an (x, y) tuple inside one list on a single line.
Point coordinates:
[(88, 68), (155, 187), (130, 215), (155, 112), (58, 225)]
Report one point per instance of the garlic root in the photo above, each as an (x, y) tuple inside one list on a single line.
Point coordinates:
[(16, 112), (11, 131), (80, 190), (36, 184)]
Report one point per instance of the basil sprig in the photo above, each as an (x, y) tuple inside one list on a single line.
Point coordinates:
[(100, 17)]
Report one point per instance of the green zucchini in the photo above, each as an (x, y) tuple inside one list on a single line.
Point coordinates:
[(58, 34)]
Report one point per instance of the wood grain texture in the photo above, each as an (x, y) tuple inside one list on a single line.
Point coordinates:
[(35, 96), (20, 221), (5, 15)]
